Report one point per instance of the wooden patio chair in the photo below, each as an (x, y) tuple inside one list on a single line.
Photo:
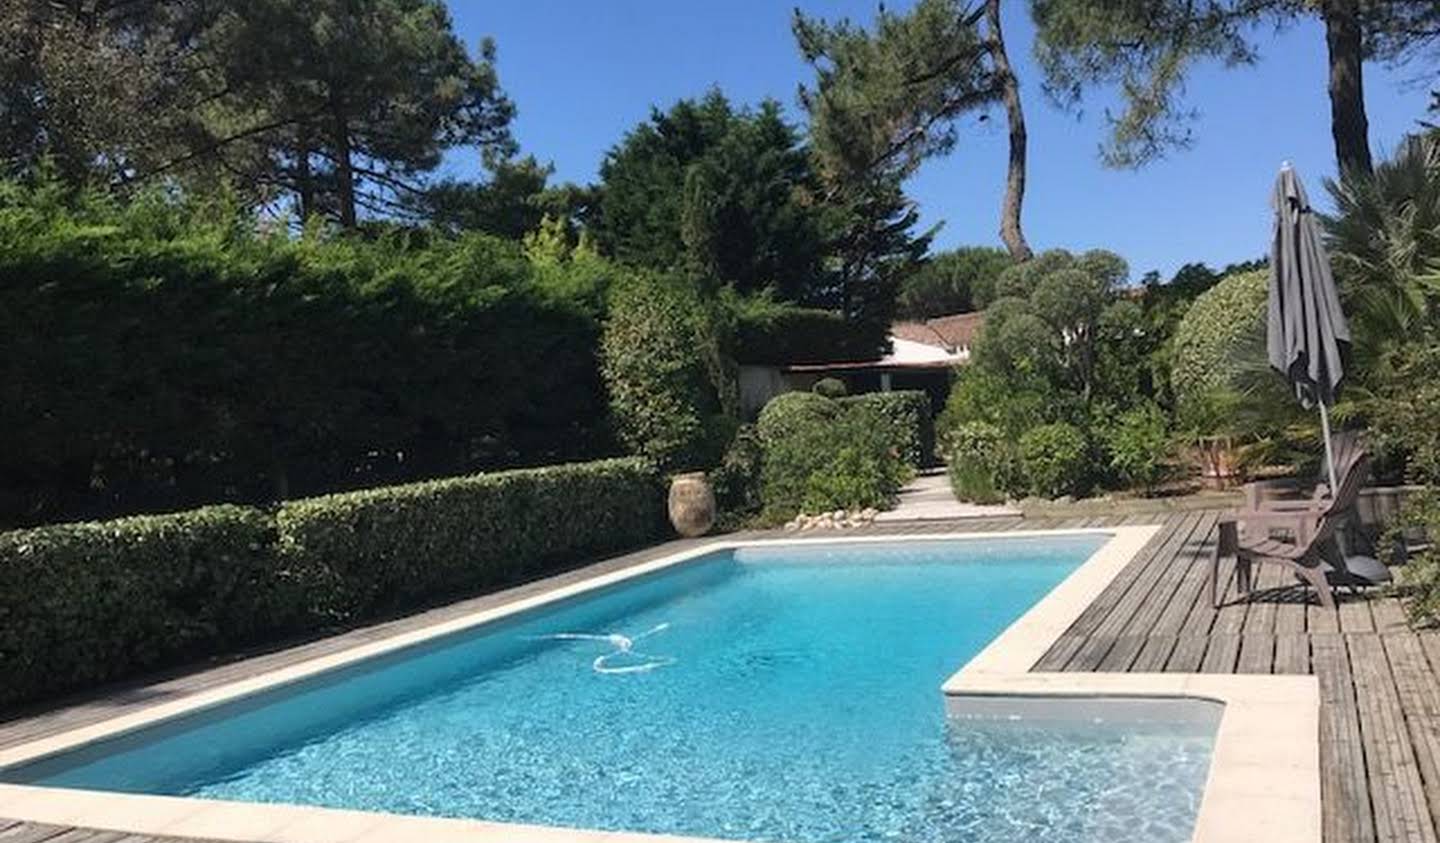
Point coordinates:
[(1309, 532)]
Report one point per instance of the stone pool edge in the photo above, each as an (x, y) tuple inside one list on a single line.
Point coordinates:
[(1256, 763)]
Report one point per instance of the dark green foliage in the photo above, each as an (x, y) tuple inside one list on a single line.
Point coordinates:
[(669, 384), (1014, 405), (1145, 50), (737, 478), (830, 388), (1055, 459), (818, 464), (951, 282), (1405, 412), (785, 415), (982, 463), (1140, 446), (397, 547), (1217, 325), (708, 188), (82, 604), (767, 331), (177, 359), (87, 603), (1419, 589), (908, 421)]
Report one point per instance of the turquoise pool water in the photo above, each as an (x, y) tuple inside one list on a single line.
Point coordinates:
[(779, 694)]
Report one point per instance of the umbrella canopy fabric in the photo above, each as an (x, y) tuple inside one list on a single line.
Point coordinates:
[(1305, 328)]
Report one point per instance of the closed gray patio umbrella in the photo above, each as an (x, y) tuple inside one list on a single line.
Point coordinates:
[(1306, 328)]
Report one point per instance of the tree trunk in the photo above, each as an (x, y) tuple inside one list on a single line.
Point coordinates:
[(1343, 40), (344, 173), (1010, 207), (304, 177)]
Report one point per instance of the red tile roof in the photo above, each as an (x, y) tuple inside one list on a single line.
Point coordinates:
[(948, 332)]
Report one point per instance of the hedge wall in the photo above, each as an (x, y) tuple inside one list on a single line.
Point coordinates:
[(390, 548), (911, 422), (177, 361), (86, 603), (81, 604)]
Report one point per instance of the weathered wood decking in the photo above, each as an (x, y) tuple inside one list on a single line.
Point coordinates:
[(1379, 681)]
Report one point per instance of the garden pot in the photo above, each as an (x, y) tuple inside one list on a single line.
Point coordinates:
[(692, 504)]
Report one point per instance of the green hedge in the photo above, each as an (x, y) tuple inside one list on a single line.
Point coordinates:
[(85, 603), (1219, 327), (156, 357), (395, 547), (770, 332), (82, 604), (909, 420)]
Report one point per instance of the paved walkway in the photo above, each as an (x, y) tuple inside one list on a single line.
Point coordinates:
[(928, 498)]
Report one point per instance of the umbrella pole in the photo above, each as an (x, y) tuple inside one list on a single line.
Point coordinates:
[(1329, 451)]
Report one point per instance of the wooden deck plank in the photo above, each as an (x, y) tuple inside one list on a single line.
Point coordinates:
[(1257, 653), (1193, 589), (1397, 795), (1188, 654), (1419, 696), (1388, 615), (1344, 795), (1355, 615), (1154, 654), (1122, 654), (32, 833), (1292, 653), (1173, 573), (1221, 654), (1113, 616)]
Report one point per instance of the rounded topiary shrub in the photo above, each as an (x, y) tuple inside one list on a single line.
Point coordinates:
[(830, 388), (1055, 460), (787, 414), (1223, 320)]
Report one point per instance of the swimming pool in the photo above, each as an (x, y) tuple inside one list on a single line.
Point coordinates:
[(782, 692)]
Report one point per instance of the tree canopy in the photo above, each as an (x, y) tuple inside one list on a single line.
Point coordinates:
[(724, 191), (1146, 48), (337, 107)]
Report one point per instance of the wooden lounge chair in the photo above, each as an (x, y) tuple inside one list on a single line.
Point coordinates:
[(1309, 535), (1287, 494)]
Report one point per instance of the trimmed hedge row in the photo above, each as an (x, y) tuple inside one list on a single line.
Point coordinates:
[(911, 422), (86, 603), (395, 547)]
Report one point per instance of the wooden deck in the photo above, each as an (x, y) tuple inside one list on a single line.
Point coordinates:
[(1379, 680)]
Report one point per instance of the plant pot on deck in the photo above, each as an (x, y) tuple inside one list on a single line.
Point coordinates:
[(692, 504)]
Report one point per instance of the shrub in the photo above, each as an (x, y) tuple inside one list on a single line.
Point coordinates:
[(86, 603), (1140, 446), (177, 358), (830, 388), (907, 421), (397, 547), (982, 464), (1419, 589), (665, 373), (846, 461), (1055, 460), (737, 479), (773, 332), (791, 412), (1221, 323)]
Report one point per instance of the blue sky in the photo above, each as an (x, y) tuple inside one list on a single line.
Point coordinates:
[(583, 73)]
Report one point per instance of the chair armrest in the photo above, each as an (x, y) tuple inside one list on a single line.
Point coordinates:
[(1262, 493)]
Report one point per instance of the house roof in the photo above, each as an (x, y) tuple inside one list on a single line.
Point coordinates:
[(930, 344), (952, 332)]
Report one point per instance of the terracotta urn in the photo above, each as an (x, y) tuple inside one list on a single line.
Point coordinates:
[(692, 504)]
